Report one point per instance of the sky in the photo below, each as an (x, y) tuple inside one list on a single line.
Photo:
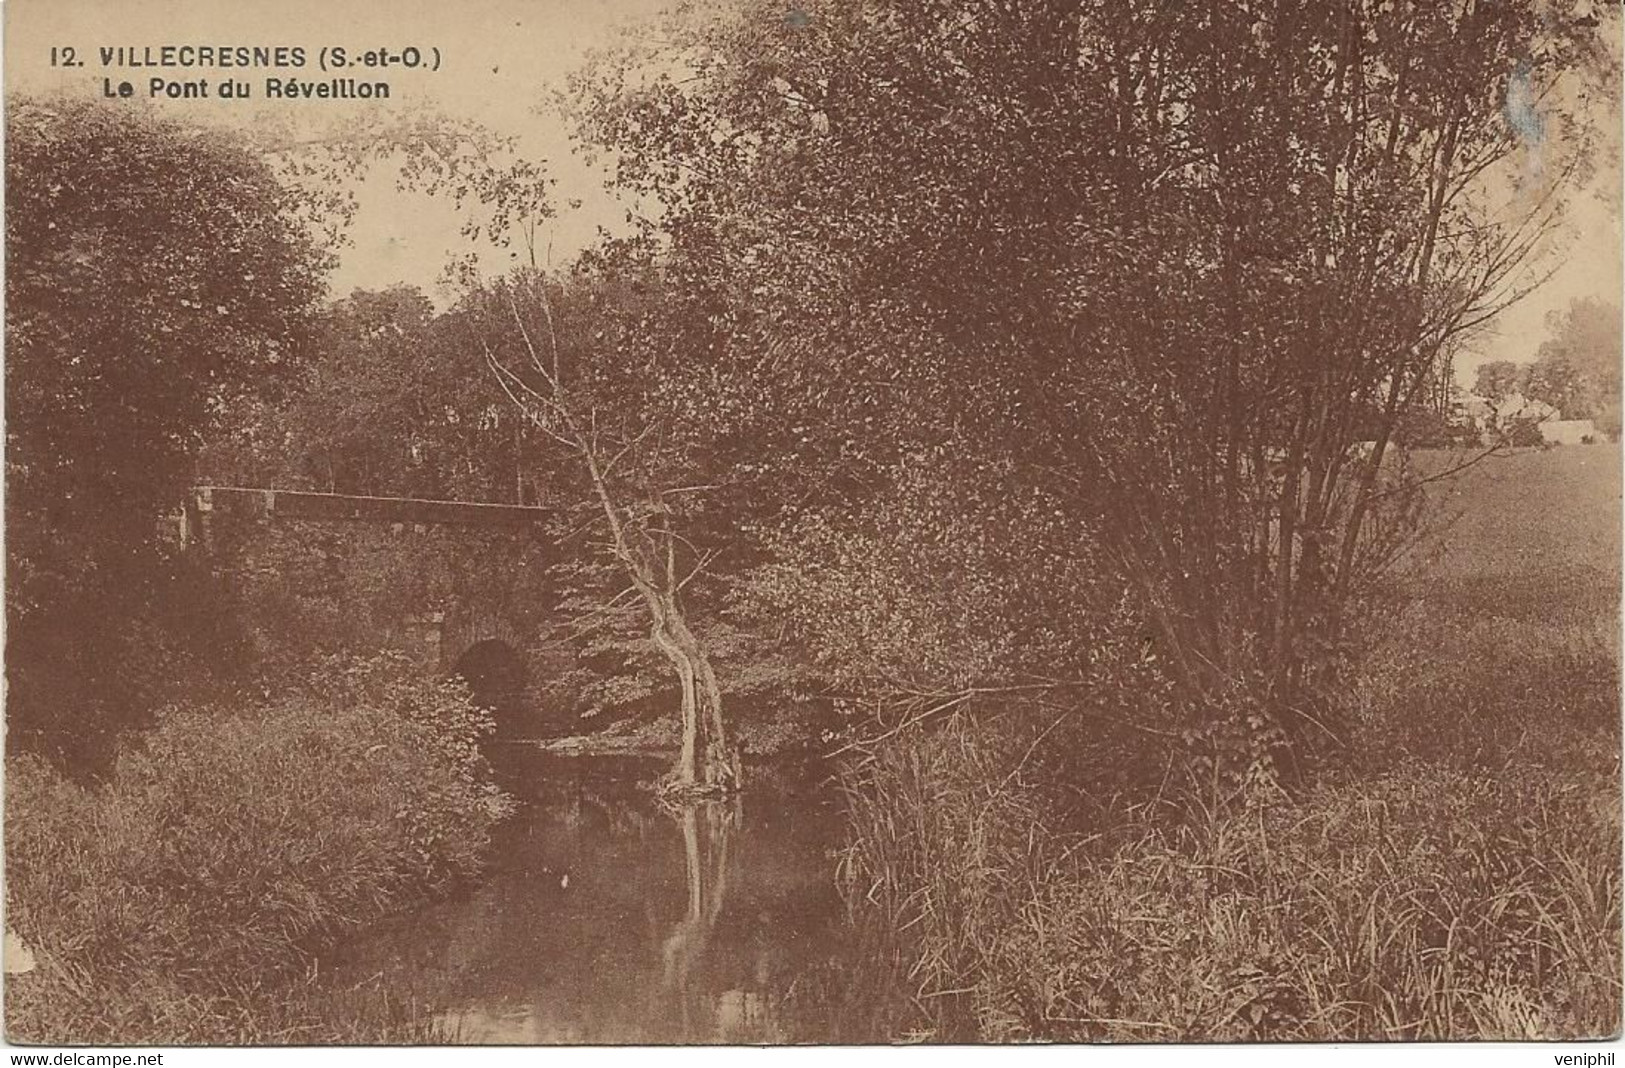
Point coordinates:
[(500, 60)]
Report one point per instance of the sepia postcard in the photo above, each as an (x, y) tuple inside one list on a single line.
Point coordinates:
[(836, 522)]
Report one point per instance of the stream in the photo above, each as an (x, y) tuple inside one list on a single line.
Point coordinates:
[(604, 918)]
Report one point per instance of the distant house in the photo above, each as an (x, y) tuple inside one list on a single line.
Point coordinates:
[(1482, 413), (1569, 431), (1515, 406)]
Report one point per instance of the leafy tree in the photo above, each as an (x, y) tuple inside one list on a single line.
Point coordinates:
[(384, 406), (365, 403), (155, 276), (1179, 260), (390, 403), (1581, 361), (1499, 379), (1558, 382)]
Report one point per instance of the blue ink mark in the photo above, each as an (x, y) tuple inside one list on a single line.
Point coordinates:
[(1520, 108), (797, 19)]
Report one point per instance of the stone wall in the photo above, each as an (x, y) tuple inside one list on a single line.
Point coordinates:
[(313, 571)]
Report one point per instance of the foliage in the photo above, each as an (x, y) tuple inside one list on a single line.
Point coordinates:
[(391, 402), (628, 427), (500, 194), (1458, 877), (1498, 379), (228, 843), (1228, 268), (949, 581), (944, 850), (619, 672), (296, 589), (155, 275), (255, 1011), (1555, 381), (1428, 429), (1524, 432), (1577, 369), (1467, 893), (969, 591)]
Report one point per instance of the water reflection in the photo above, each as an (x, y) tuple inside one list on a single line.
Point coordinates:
[(706, 829), (607, 919)]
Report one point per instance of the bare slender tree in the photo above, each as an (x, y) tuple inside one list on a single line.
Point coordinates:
[(620, 456)]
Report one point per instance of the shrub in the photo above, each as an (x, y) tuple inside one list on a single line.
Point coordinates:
[(230, 843), (1455, 875), (1524, 432)]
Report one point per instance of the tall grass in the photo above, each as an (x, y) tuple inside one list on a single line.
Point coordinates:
[(1456, 876), (947, 842), (1426, 904), (177, 901), (1423, 903)]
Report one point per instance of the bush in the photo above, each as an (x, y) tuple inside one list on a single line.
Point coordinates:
[(231, 843), (1524, 432)]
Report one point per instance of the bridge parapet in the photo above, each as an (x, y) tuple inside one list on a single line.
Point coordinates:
[(305, 504)]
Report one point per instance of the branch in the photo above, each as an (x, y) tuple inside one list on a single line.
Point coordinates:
[(905, 725), (628, 447), (586, 622), (503, 375), (711, 554), (530, 347), (1457, 469)]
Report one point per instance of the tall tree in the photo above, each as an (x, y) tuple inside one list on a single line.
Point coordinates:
[(1179, 259), (1499, 379), (155, 276), (630, 435), (1582, 358), (390, 403), (1557, 382)]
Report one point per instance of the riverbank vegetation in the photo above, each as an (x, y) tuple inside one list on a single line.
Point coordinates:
[(1108, 561), (1455, 874), (1016, 403), (176, 901), (195, 801)]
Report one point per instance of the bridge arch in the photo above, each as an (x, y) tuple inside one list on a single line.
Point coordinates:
[(470, 625), (496, 677), (462, 587)]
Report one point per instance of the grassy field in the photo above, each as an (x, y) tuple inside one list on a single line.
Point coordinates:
[(1531, 512)]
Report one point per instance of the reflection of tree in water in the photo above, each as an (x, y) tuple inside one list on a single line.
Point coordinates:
[(675, 925), (708, 828)]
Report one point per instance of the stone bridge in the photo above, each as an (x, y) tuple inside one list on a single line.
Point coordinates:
[(464, 588)]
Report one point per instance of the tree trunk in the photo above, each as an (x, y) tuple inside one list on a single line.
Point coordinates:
[(707, 762), (707, 757)]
